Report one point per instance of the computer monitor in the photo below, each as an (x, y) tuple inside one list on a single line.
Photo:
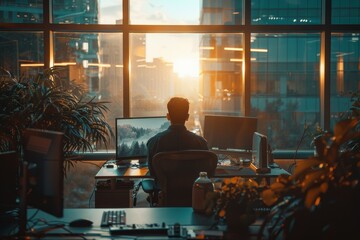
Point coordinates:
[(259, 158), (229, 132), (43, 153), (9, 175), (132, 135)]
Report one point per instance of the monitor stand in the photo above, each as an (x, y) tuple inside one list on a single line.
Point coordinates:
[(132, 163)]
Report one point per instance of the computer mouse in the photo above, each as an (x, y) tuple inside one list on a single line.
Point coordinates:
[(80, 223)]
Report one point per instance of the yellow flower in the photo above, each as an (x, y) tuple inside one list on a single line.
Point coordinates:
[(222, 213)]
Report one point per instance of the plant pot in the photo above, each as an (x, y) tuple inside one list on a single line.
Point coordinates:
[(239, 215)]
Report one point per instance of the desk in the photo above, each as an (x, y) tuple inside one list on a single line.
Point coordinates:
[(182, 215), (124, 172), (115, 185)]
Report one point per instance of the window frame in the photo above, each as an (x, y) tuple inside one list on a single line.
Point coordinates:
[(326, 29)]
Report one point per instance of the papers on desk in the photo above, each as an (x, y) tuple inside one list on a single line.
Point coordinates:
[(229, 167), (227, 164)]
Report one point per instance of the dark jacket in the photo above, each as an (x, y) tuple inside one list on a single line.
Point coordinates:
[(175, 138)]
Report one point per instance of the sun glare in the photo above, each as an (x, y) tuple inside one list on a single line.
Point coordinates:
[(186, 67)]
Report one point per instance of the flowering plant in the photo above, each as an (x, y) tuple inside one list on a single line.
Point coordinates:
[(320, 199), (235, 201)]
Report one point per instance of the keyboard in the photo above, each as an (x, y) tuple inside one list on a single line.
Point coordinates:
[(110, 218), (139, 229), (260, 208)]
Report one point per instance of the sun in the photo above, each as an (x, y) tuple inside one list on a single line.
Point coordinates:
[(187, 67)]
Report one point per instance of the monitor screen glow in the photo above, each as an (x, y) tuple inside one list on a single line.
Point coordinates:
[(132, 135)]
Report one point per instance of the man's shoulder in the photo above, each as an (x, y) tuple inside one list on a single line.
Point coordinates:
[(157, 136), (195, 135), (198, 137)]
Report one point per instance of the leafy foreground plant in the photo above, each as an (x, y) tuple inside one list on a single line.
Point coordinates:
[(321, 200), (49, 102)]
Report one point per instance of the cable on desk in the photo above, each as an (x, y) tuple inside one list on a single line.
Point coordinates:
[(293, 165), (92, 194), (12, 217), (44, 233)]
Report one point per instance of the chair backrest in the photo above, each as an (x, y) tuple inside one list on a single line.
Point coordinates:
[(176, 172)]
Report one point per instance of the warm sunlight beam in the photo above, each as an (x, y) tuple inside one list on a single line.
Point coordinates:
[(186, 67)]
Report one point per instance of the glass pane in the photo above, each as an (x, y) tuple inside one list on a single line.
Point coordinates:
[(167, 65), (22, 53), (300, 12), (87, 12), (185, 12), (345, 72), (30, 11), (95, 60), (162, 66), (345, 12), (285, 87), (221, 58)]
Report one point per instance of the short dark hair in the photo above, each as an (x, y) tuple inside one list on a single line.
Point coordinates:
[(178, 109)]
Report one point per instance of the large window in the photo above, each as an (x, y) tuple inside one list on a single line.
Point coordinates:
[(291, 64), (345, 72), (276, 12), (285, 85), (22, 52), (345, 12), (96, 61)]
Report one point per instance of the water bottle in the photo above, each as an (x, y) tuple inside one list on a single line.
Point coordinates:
[(201, 187)]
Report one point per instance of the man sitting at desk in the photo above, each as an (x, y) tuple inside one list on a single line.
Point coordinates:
[(176, 137)]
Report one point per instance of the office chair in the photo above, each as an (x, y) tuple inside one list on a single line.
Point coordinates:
[(176, 172)]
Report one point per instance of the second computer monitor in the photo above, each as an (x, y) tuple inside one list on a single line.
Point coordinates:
[(229, 132), (43, 152)]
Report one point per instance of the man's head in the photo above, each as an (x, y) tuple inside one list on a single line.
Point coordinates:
[(178, 110)]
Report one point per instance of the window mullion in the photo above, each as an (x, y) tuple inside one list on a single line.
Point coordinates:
[(126, 60)]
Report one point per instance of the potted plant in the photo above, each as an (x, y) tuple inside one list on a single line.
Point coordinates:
[(232, 205), (320, 200), (47, 101), (235, 202)]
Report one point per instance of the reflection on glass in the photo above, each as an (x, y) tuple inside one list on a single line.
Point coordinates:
[(95, 60), (167, 65), (345, 72), (22, 53), (185, 12), (285, 86), (162, 66), (221, 58), (87, 12), (345, 12), (21, 11), (285, 12)]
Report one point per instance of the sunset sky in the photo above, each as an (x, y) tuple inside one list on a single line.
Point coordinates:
[(180, 49)]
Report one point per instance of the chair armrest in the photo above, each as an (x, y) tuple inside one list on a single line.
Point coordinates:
[(148, 185)]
